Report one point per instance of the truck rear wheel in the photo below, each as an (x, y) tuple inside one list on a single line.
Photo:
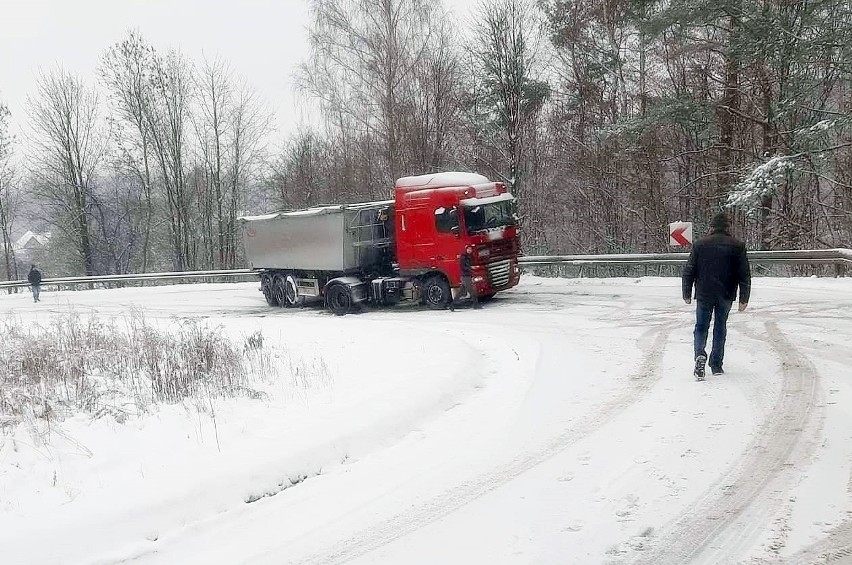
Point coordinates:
[(436, 292), (339, 299)]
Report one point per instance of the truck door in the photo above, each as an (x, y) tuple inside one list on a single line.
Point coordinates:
[(446, 248), (420, 233)]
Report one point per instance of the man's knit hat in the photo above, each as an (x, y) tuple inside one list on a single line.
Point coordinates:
[(720, 222)]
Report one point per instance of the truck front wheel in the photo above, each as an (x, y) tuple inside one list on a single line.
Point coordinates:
[(436, 292), (339, 299)]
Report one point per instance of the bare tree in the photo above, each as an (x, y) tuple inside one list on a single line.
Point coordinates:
[(251, 123), (69, 148), (298, 175), (214, 93), (230, 126), (8, 193), (366, 57), (125, 70), (167, 113), (433, 118), (509, 94)]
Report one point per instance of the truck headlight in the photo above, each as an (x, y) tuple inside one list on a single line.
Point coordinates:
[(484, 252), (478, 279)]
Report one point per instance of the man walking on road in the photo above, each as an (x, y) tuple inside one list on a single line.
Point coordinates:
[(34, 278), (717, 265)]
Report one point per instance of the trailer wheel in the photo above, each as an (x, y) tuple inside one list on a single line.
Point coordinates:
[(266, 286), (279, 291), (436, 292), (291, 295), (339, 299)]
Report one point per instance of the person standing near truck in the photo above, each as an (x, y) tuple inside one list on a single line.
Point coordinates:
[(467, 286), (717, 265), (34, 278)]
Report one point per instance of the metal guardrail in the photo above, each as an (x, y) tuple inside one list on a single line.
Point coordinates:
[(814, 257), (140, 277)]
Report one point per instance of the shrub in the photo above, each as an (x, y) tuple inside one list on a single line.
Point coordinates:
[(73, 364)]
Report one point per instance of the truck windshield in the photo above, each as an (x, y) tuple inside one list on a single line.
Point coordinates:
[(493, 215)]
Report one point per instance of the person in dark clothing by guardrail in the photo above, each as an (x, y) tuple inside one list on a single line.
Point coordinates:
[(34, 278), (717, 267)]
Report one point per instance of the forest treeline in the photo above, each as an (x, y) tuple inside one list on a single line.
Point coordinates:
[(608, 119)]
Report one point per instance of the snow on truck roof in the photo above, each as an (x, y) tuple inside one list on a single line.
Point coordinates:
[(317, 210), (437, 180), (471, 202)]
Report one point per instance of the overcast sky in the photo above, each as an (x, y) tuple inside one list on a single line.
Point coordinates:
[(263, 40)]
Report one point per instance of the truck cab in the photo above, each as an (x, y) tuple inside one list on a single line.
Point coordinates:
[(440, 216)]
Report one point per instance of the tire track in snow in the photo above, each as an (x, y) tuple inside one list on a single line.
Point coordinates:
[(836, 546), (652, 343), (724, 520)]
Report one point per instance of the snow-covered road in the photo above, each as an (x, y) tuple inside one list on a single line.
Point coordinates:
[(559, 424)]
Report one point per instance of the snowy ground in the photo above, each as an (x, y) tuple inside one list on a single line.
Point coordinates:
[(559, 424)]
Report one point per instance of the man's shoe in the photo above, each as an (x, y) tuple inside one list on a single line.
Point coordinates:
[(717, 370), (699, 367)]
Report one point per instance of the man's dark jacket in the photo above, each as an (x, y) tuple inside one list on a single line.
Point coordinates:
[(717, 265), (34, 277), (465, 265)]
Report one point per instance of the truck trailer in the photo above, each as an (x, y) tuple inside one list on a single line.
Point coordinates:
[(386, 252)]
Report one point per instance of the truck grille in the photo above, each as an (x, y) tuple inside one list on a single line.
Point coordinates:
[(501, 247), (499, 272)]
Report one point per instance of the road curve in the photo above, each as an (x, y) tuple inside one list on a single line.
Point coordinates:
[(724, 520), (653, 344)]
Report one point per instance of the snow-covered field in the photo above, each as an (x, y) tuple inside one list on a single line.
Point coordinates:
[(559, 424)]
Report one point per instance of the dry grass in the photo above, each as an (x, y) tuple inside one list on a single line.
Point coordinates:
[(77, 364)]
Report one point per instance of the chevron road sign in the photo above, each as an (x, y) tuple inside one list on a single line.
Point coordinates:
[(680, 234)]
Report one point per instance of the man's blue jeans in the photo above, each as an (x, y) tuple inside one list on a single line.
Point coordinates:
[(36, 291), (719, 312)]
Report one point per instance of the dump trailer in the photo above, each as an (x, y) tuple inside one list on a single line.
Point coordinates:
[(385, 252)]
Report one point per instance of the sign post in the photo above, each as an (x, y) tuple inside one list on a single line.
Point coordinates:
[(680, 234)]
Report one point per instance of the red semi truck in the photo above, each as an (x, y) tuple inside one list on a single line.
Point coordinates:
[(405, 249)]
